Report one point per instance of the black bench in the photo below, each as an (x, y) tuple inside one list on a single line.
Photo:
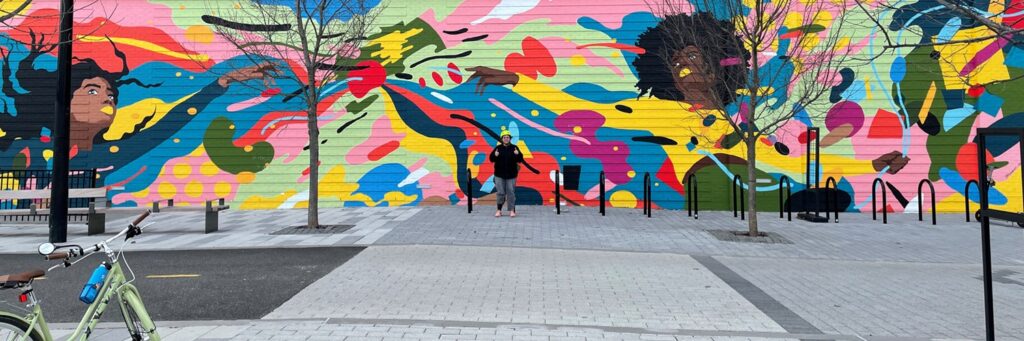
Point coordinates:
[(211, 209)]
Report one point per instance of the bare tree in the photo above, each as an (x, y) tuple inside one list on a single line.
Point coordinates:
[(320, 37), (755, 68)]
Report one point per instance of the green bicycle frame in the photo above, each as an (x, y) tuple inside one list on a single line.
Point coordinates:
[(114, 284)]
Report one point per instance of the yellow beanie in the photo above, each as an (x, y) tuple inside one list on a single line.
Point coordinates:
[(504, 132)]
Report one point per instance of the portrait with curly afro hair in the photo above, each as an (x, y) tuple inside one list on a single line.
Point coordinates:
[(693, 58)]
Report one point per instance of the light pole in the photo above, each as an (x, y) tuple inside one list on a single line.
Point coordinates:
[(61, 127)]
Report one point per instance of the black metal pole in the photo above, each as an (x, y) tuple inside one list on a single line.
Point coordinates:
[(61, 128), (650, 193), (986, 247)]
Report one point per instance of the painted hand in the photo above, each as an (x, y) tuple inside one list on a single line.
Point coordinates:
[(491, 76)]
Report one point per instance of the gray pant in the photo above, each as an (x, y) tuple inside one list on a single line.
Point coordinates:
[(506, 192)]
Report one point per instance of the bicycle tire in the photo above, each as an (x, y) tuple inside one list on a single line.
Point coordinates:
[(136, 328), (19, 326)]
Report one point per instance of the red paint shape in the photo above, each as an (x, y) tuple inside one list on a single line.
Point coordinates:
[(535, 59), (802, 138), (437, 78), (667, 175), (885, 125), (270, 92), (373, 76), (305, 172), (624, 47), (74, 151), (766, 141), (454, 73), (967, 161), (382, 151), (44, 139), (423, 82), (791, 35), (976, 91)]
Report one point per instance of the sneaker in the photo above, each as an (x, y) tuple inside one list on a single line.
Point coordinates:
[(512, 214), (497, 214)]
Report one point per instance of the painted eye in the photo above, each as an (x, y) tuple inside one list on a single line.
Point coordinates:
[(693, 57), (110, 97), (677, 64), (93, 92)]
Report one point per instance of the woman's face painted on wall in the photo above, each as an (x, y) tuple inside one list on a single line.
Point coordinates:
[(94, 102), (691, 72)]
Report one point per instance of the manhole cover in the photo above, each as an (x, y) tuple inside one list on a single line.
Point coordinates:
[(303, 229)]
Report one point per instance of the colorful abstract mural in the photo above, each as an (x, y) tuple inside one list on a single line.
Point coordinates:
[(158, 109)]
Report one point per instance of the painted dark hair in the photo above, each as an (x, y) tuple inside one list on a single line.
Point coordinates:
[(715, 38), (35, 107)]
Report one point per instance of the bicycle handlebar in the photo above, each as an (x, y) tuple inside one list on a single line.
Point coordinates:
[(132, 231)]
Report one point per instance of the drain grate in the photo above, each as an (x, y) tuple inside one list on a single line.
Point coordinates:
[(324, 229)]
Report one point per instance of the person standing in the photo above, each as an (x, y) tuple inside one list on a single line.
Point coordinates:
[(506, 158)]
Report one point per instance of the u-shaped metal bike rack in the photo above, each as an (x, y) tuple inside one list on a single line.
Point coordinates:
[(692, 208), (784, 201), (967, 198), (558, 192), (601, 186), (920, 202), (832, 201), (737, 181), (874, 210), (469, 190), (647, 194)]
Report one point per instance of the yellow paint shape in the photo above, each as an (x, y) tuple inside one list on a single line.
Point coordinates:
[(167, 190), (245, 177), (199, 34), (631, 174), (141, 194), (577, 60), (222, 189), (533, 113), (524, 149), (114, 149), (208, 168), (577, 129), (130, 116), (47, 154), (392, 45), (622, 199), (142, 44), (2, 132), (7, 7), (684, 72), (927, 105), (194, 189), (181, 170), (174, 276), (192, 111), (258, 202), (956, 56), (106, 109)]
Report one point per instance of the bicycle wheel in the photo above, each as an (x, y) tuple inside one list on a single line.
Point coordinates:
[(138, 328), (14, 329)]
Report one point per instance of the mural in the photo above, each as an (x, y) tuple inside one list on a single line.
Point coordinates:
[(158, 109)]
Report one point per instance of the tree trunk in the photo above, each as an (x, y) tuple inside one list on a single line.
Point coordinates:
[(313, 220), (752, 184)]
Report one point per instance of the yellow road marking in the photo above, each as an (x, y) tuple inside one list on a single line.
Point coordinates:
[(172, 276)]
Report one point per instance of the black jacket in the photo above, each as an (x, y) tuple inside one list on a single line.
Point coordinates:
[(506, 164)]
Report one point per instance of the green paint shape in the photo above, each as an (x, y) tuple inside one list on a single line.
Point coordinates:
[(219, 144), (358, 106), (426, 37)]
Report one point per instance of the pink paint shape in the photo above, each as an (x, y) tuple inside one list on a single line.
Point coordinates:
[(382, 134), (729, 61), (536, 125), (624, 47), (984, 55), (246, 104)]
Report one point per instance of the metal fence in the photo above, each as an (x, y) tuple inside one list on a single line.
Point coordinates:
[(40, 179)]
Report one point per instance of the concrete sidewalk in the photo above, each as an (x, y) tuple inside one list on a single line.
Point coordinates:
[(440, 273)]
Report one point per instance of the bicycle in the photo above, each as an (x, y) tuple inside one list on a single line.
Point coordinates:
[(32, 326)]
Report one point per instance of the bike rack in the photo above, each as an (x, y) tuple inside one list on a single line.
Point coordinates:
[(691, 196), (737, 181), (874, 210), (558, 192), (832, 201), (920, 202), (469, 190), (601, 186), (647, 194), (967, 198), (784, 201)]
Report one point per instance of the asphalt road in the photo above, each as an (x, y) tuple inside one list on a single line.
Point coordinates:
[(187, 285)]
